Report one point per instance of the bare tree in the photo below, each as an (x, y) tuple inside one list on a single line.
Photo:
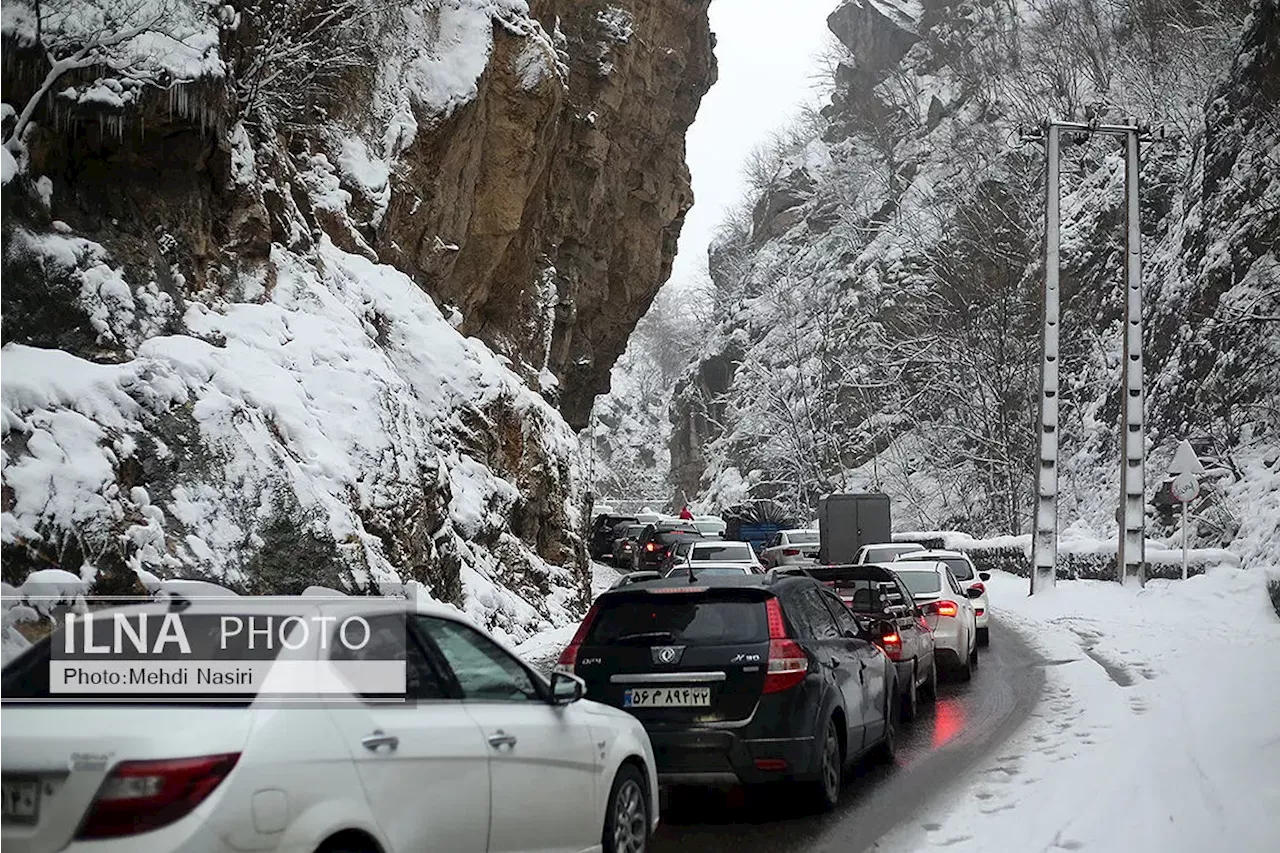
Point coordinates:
[(126, 41), (291, 57)]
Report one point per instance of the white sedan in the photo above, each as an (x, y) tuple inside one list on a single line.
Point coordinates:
[(702, 569), (884, 552), (947, 609), (486, 756), (720, 551), (971, 581), (791, 548)]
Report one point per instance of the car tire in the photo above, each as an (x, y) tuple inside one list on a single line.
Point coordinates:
[(966, 667), (886, 752), (626, 818), (984, 636), (826, 790), (930, 691), (911, 696), (973, 653)]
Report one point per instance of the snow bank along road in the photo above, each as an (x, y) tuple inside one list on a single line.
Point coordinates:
[(1102, 718)]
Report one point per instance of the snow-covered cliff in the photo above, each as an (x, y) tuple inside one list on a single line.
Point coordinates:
[(288, 304)]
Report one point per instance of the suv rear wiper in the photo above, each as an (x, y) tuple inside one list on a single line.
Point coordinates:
[(645, 635)]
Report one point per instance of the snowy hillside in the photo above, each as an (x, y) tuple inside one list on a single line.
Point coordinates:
[(882, 286), (289, 305)]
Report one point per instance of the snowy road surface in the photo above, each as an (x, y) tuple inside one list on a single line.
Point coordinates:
[(1158, 730)]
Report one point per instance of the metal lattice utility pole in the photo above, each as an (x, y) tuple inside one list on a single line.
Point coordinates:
[(1131, 551), (1044, 543)]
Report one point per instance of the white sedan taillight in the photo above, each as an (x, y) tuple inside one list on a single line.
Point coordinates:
[(140, 796)]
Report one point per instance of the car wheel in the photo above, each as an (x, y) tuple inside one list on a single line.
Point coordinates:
[(886, 752), (966, 667), (973, 653), (626, 820), (931, 685), (830, 769), (984, 636), (910, 696)]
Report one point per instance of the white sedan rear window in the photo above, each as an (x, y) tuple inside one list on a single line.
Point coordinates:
[(731, 551), (921, 582)]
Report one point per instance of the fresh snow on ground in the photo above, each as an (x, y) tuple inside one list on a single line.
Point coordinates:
[(1157, 730), (542, 649)]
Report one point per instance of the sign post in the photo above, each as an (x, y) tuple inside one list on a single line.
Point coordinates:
[(1186, 470)]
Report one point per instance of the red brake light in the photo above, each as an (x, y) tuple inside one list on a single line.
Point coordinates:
[(777, 628), (139, 796), (650, 547), (569, 657), (791, 552), (892, 645), (945, 608), (787, 661)]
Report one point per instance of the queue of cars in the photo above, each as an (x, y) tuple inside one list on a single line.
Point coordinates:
[(748, 669), (706, 669)]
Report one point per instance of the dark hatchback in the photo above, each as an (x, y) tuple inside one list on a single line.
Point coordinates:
[(741, 678), (625, 539), (655, 543), (600, 539)]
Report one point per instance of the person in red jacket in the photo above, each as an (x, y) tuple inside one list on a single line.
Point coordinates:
[(685, 514)]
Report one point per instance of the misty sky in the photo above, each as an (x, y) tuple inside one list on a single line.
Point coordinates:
[(766, 50)]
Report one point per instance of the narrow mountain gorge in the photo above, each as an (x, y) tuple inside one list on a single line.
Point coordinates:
[(879, 293), (315, 293)]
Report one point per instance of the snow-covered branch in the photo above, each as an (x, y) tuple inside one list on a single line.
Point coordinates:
[(138, 42)]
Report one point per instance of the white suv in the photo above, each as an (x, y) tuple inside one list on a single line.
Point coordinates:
[(971, 581), (488, 756)]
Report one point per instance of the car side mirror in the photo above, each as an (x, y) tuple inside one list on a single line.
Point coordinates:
[(974, 592), (984, 576), (566, 688)]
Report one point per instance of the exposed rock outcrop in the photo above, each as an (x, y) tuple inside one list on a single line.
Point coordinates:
[(548, 208)]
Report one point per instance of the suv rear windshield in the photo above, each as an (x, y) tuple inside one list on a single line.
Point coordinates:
[(719, 618), (666, 537), (921, 582), (721, 551)]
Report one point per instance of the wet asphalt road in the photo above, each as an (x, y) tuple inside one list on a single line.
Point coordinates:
[(944, 744)]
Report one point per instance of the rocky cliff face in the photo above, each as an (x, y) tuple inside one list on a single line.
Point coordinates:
[(287, 306), (547, 209), (883, 320)]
